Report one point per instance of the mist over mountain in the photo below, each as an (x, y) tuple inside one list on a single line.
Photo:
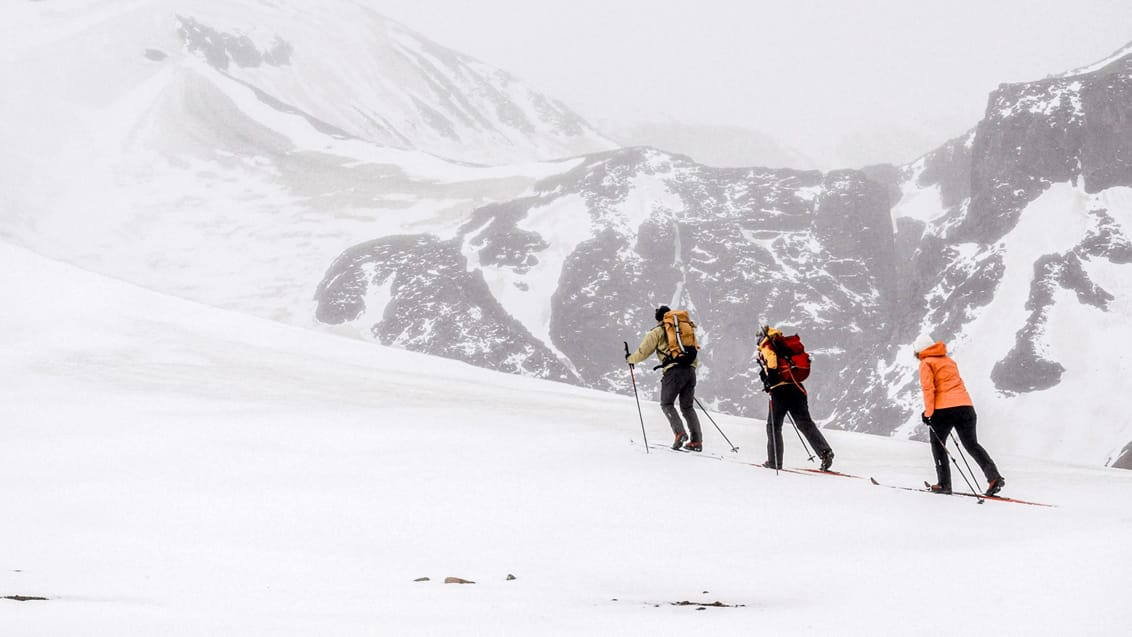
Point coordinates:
[(329, 168), (712, 145), (227, 152)]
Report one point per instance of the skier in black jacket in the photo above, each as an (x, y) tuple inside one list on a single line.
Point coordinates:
[(787, 396)]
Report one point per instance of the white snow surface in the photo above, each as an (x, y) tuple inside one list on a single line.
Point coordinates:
[(919, 203), (1076, 421), (174, 469)]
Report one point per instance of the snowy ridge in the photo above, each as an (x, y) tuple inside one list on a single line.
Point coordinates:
[(239, 130), (421, 95), (1119, 54)]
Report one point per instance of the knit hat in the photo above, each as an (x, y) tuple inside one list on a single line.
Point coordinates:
[(660, 312), (922, 342)]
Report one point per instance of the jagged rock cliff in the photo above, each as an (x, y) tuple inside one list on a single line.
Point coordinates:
[(979, 242), (804, 250), (1028, 225)]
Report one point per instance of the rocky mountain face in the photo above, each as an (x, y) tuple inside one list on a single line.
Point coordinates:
[(292, 160), (1124, 460), (858, 262), (735, 246), (1058, 151)]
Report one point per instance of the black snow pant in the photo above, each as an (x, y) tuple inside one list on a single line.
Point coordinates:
[(789, 399), (962, 420), (680, 381)]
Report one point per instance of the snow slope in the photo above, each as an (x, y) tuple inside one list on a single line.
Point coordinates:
[(231, 177), (339, 64), (1077, 421), (174, 469)]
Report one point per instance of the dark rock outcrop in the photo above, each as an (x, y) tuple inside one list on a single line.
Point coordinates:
[(434, 305), (1124, 460), (809, 252), (806, 251)]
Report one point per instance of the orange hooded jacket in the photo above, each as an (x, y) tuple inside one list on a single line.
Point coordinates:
[(940, 380)]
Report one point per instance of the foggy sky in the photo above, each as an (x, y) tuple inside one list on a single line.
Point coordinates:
[(845, 83)]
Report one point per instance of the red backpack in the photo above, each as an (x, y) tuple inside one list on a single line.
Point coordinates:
[(792, 352)]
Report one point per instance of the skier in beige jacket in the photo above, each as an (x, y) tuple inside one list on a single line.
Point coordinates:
[(678, 381)]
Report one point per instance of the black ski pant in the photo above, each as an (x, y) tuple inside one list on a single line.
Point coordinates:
[(962, 421), (680, 382), (789, 399)]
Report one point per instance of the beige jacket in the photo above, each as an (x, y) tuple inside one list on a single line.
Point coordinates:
[(655, 342)]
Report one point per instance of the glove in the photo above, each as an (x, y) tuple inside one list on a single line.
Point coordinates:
[(927, 421)]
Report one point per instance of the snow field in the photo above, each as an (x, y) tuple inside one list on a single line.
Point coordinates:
[(179, 470)]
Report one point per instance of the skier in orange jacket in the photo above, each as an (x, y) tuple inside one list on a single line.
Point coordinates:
[(948, 406)]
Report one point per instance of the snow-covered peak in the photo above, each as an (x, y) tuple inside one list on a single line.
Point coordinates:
[(1122, 52), (339, 64)]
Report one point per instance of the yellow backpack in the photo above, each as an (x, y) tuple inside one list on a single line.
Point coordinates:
[(681, 333)]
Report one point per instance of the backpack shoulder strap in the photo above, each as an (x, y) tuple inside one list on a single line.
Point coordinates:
[(778, 347)]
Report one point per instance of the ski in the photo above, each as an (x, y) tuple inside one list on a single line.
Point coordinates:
[(893, 486), (714, 456), (702, 454), (926, 489), (979, 497), (809, 471), (998, 498), (830, 472), (784, 469)]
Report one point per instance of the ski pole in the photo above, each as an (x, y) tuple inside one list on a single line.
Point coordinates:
[(633, 377), (957, 468), (734, 449), (770, 434), (963, 456), (800, 438)]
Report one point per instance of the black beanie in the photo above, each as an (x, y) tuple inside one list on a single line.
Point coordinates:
[(660, 312)]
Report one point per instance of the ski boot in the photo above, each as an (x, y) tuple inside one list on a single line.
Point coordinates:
[(994, 486), (827, 460)]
